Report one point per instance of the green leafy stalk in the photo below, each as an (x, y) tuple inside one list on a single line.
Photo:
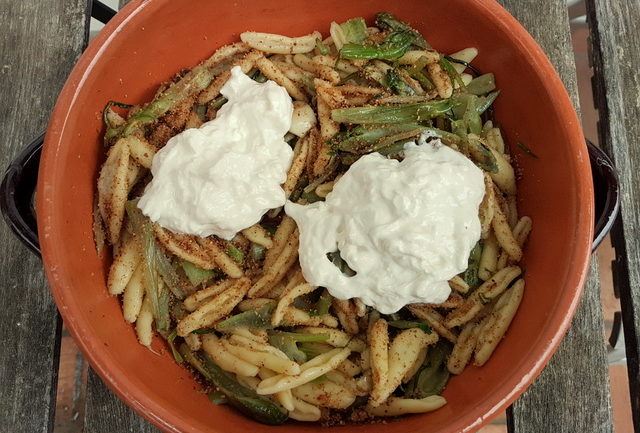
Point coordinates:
[(340, 263), (257, 251), (484, 102), (323, 304), (432, 378), (482, 85), (385, 20), (244, 399), (363, 139), (451, 72), (260, 319), (169, 274), (235, 253), (171, 341), (480, 155), (355, 31), (392, 47), (195, 274), (217, 397), (112, 131), (408, 324), (287, 342), (397, 84), (322, 47), (393, 114), (470, 275)]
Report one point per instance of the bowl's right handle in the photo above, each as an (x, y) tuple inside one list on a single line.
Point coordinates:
[(17, 195), (606, 190)]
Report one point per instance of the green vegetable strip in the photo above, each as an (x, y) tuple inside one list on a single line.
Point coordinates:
[(470, 275), (217, 397), (195, 274), (287, 342), (155, 289), (392, 48), (451, 72), (480, 155), (484, 102), (408, 324), (322, 48), (323, 304), (397, 84), (386, 20), (482, 84), (432, 378), (168, 274), (171, 341), (112, 131), (244, 399), (393, 114), (355, 31), (235, 253), (360, 139), (257, 251), (260, 319)]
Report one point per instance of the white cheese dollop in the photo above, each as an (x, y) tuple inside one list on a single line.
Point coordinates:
[(222, 177), (405, 227)]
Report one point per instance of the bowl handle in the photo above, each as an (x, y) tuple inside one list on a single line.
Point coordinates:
[(606, 190), (17, 195)]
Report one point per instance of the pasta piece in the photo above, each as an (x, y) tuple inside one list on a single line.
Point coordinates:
[(522, 229), (379, 356), (336, 338), (285, 398), (133, 295), (496, 324), (144, 322), (422, 355), (225, 52), (279, 44), (214, 309), (349, 368), (253, 304), (504, 177), (345, 381), (246, 63), (489, 257), (220, 258), (325, 394), (486, 210), (494, 140), (141, 150), (466, 55), (310, 370), (287, 298), (324, 69), (280, 238), (395, 406), (304, 411), (347, 315), (272, 72), (184, 246), (305, 63), (435, 320), (262, 359), (295, 316), (463, 349), (242, 333), (329, 97), (412, 57), (277, 271), (504, 235), (195, 300), (440, 80), (303, 119), (490, 289), (225, 360), (361, 308), (458, 284), (123, 266), (403, 352), (194, 342), (258, 235), (113, 189), (300, 154)]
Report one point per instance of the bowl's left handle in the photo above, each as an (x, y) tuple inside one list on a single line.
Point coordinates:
[(17, 195)]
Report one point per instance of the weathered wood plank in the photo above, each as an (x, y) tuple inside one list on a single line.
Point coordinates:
[(615, 40), (106, 413), (572, 393), (39, 45)]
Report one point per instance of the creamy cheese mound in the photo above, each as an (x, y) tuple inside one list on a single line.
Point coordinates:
[(405, 228), (222, 177)]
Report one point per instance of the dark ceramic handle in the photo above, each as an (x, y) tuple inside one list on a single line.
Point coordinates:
[(17, 195), (18, 189)]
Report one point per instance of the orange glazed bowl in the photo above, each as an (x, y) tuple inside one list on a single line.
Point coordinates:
[(149, 41)]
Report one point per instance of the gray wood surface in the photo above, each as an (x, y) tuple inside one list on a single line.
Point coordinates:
[(38, 48), (572, 393), (615, 56)]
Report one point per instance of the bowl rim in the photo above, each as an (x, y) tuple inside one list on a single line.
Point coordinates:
[(148, 408)]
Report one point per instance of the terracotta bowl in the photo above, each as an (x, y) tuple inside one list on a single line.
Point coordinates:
[(149, 41)]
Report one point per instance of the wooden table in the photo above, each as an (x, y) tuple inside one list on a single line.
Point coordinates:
[(40, 42)]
